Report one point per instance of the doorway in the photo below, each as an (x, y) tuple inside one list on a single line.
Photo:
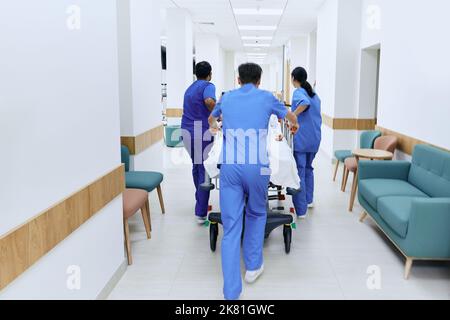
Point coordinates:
[(369, 83)]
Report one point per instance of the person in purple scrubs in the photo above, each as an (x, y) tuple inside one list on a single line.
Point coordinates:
[(199, 101)]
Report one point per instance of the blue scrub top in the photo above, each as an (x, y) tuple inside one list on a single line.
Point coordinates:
[(194, 108), (246, 113), (309, 135)]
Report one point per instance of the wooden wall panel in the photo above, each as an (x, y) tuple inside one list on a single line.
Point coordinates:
[(143, 141), (26, 244), (348, 124), (174, 113), (129, 142), (14, 258), (406, 143)]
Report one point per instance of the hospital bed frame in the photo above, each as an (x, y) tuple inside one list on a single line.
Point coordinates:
[(274, 218)]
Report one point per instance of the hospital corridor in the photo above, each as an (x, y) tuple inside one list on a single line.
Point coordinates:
[(224, 158)]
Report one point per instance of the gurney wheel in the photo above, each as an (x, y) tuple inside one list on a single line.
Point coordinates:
[(287, 233), (213, 233)]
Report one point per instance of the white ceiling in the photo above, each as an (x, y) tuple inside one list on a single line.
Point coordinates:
[(298, 18)]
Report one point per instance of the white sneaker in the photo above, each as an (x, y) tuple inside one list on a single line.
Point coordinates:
[(311, 205), (200, 220), (302, 217), (252, 276)]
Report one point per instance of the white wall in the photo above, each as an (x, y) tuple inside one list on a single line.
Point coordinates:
[(348, 56), (326, 67), (312, 57), (180, 73), (415, 69), (140, 73), (207, 48), (298, 54), (59, 123), (326, 55), (229, 71), (338, 67)]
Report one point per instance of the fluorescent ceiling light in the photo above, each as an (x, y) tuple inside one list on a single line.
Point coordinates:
[(256, 38), (258, 28), (258, 11), (256, 45), (257, 54)]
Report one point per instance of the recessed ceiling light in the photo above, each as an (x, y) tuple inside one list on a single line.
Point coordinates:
[(256, 45), (258, 11), (256, 38), (258, 28)]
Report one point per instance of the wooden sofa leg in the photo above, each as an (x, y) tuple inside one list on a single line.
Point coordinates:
[(127, 241), (147, 207), (354, 190), (408, 266), (336, 170), (345, 179), (146, 218), (161, 201), (363, 217)]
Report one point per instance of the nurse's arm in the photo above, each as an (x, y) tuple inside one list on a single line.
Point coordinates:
[(300, 109), (213, 125), (210, 104), (292, 118)]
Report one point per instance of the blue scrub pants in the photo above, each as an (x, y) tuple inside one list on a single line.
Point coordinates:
[(198, 150), (305, 169), (238, 183)]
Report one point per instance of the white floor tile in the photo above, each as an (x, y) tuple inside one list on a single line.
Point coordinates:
[(330, 256)]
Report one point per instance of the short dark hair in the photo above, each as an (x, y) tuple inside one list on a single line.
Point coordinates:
[(250, 73), (203, 70)]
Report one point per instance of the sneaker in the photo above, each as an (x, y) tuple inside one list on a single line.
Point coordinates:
[(311, 205), (200, 220), (252, 276), (303, 217)]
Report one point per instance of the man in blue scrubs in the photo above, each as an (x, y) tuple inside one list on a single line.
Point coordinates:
[(199, 101), (306, 105), (244, 174)]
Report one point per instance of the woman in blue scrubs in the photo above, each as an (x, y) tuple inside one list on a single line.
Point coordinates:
[(306, 105)]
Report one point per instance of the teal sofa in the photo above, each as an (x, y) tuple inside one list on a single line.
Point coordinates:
[(410, 202)]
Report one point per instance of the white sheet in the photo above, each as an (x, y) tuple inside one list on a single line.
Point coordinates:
[(282, 163)]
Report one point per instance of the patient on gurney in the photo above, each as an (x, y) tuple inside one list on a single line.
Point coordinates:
[(283, 168)]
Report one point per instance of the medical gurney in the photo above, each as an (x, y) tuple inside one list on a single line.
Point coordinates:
[(275, 219)]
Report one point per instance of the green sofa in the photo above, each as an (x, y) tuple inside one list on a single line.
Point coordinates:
[(410, 202)]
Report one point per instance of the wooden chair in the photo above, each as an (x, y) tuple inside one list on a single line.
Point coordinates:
[(385, 143), (133, 200), (145, 180)]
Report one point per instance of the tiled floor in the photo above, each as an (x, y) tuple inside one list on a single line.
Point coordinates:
[(330, 257)]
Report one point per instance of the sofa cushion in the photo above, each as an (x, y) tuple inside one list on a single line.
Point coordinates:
[(341, 155), (143, 180), (374, 189), (395, 211), (430, 171)]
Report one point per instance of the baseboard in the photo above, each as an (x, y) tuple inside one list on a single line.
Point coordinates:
[(109, 287)]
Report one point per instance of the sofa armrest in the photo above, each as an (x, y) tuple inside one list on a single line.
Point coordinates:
[(429, 225), (398, 170)]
